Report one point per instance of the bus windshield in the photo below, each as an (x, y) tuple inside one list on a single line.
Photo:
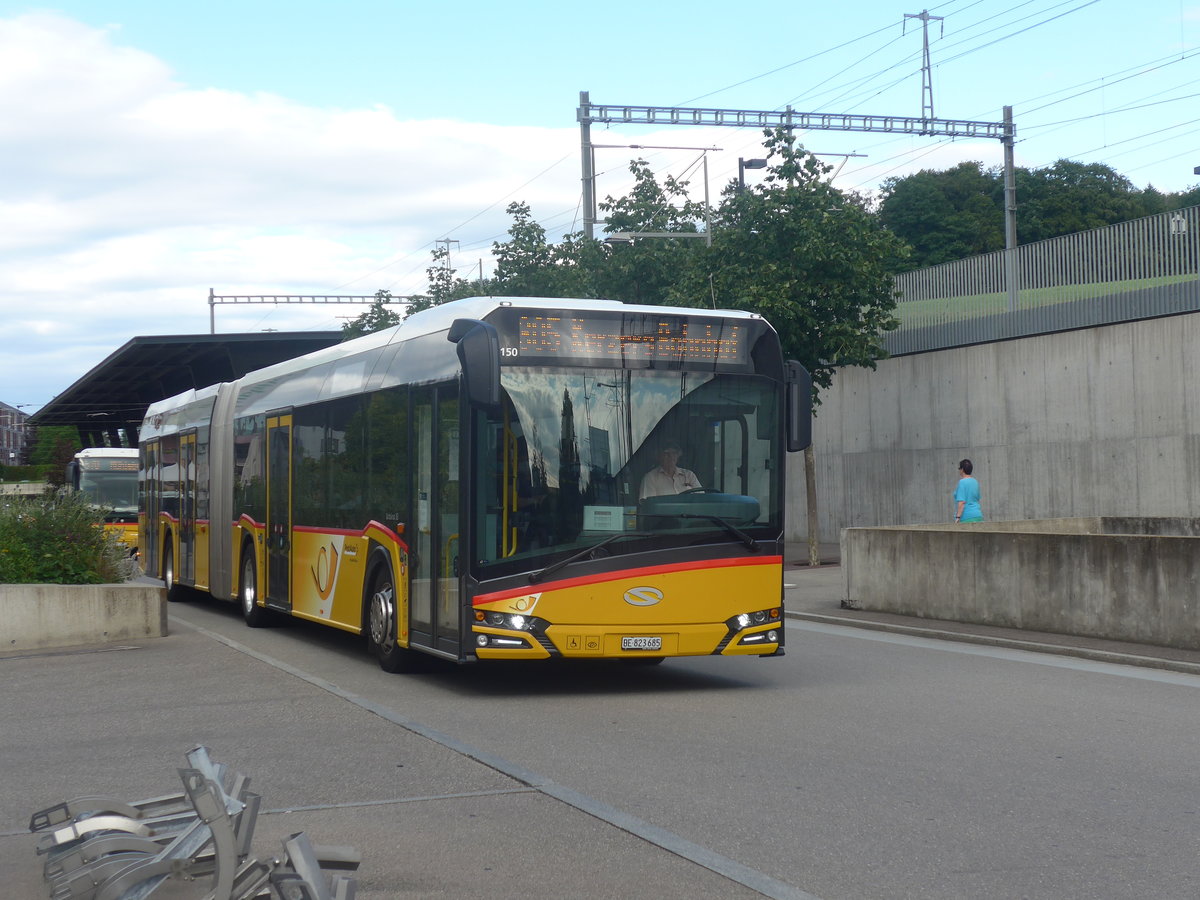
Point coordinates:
[(108, 489), (576, 457)]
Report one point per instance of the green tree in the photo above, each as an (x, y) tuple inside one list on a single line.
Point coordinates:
[(1069, 196), (959, 212), (812, 260), (377, 318), (524, 263), (1190, 197), (644, 270), (945, 215), (54, 447), (529, 266), (444, 286)]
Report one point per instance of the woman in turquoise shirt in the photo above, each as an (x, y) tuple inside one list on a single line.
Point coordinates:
[(966, 495)]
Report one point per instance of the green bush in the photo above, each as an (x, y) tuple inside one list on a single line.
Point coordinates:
[(56, 539)]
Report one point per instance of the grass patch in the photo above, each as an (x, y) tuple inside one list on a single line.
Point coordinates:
[(974, 306)]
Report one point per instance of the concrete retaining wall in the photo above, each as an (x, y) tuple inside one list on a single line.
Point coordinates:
[(39, 616), (1125, 579), (1096, 422)]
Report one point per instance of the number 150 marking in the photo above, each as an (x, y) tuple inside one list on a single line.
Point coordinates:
[(509, 351)]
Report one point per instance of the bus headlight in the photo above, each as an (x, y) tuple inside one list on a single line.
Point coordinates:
[(510, 622), (504, 620), (758, 617)]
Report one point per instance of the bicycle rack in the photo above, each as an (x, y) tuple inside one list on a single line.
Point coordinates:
[(99, 848)]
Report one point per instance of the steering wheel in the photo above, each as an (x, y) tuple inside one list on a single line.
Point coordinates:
[(700, 490)]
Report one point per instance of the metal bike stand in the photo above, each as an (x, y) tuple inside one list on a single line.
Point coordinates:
[(100, 848)]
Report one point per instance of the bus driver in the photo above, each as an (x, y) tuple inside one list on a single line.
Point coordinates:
[(667, 477)]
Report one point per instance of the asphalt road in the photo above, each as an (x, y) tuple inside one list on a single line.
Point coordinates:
[(861, 765)]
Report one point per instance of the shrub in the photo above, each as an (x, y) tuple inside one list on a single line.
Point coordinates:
[(56, 539), (24, 473)]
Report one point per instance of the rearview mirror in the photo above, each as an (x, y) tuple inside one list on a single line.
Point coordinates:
[(479, 354), (799, 406)]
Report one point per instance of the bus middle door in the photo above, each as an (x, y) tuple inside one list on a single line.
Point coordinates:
[(149, 527), (187, 508), (279, 511)]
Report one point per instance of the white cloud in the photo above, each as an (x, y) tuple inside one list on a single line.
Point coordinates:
[(128, 195)]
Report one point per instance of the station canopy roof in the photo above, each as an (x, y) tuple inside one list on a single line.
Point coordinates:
[(114, 395)]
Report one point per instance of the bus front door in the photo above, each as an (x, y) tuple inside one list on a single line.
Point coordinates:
[(279, 511)]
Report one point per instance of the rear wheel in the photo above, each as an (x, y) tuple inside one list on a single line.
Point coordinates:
[(173, 590), (382, 621), (255, 615)]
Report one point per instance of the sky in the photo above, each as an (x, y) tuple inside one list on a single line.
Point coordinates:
[(152, 151)]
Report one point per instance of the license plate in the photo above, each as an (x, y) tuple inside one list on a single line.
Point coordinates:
[(641, 643)]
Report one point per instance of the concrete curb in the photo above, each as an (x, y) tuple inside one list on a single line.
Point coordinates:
[(1061, 649)]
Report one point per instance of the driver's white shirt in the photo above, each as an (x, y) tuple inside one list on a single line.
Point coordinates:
[(657, 482)]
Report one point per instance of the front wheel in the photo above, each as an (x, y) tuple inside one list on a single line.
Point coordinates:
[(383, 620), (255, 615)]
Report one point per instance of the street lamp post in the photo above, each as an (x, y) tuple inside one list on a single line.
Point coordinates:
[(743, 165)]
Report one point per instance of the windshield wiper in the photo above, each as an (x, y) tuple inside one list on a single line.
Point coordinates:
[(535, 577), (750, 543)]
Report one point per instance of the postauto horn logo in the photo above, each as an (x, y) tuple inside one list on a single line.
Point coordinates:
[(643, 596)]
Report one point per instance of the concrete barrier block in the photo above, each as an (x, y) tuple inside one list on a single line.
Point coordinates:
[(1125, 579), (41, 616)]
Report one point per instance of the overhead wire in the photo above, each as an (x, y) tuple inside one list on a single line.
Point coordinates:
[(863, 88), (483, 211), (1140, 70), (911, 56), (1013, 34), (785, 67), (1106, 83), (1190, 152), (856, 99), (776, 70)]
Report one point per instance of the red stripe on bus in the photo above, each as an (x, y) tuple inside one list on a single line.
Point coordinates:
[(395, 537), (353, 532), (629, 573)]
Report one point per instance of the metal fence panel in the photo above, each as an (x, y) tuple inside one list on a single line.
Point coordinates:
[(1140, 269)]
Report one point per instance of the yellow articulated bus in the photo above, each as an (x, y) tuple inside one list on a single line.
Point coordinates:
[(108, 477), (495, 478)]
